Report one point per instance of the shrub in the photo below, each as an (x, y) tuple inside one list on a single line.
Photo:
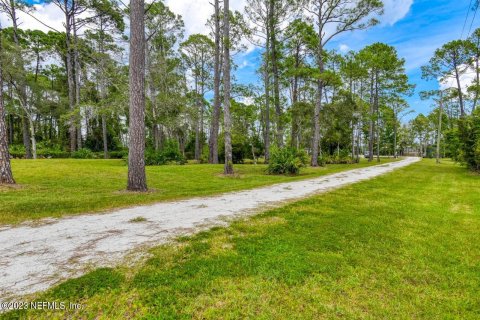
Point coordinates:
[(18, 152), (469, 135), (170, 154), (83, 154), (261, 160), (56, 154), (303, 157), (322, 161), (240, 151), (153, 158), (286, 161), (343, 157), (118, 154)]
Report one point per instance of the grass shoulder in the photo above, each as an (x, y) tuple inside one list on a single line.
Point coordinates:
[(59, 187)]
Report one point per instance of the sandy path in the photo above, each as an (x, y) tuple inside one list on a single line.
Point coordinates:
[(33, 258)]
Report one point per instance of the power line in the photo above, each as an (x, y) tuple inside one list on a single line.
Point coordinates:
[(468, 35), (471, 24), (466, 18)]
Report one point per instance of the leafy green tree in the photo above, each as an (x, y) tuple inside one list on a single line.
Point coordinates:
[(106, 24), (165, 79), (299, 41), (227, 120), (11, 8), (447, 62), (342, 16), (6, 176), (387, 78), (198, 51), (420, 126)]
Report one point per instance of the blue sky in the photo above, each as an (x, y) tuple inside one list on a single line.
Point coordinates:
[(427, 25)]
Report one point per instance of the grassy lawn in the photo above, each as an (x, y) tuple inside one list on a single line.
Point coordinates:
[(402, 246), (56, 187)]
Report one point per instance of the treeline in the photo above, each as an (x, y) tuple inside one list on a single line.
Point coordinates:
[(452, 128), (67, 91)]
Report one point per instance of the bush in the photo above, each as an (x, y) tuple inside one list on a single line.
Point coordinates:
[(18, 152), (153, 158), (240, 151), (83, 154), (322, 161), (286, 161), (469, 135), (170, 154), (343, 157), (56, 154), (117, 154), (303, 157)]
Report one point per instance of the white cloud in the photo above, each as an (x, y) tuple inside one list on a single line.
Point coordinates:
[(49, 14), (246, 100), (395, 10), (244, 64), (343, 48), (466, 79), (195, 13)]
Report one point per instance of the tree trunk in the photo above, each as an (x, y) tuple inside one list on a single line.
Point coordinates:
[(76, 61), (318, 99), (202, 108), (395, 136), (377, 109), (358, 146), (197, 140), (353, 141), (6, 176), (213, 141), (460, 94), (104, 136), (10, 129), (34, 140), (371, 128), (22, 86), (276, 82), (26, 135), (421, 147), (267, 101), (295, 126), (197, 122), (477, 81), (102, 88), (439, 132), (71, 84), (181, 143), (228, 170), (137, 180), (156, 137)]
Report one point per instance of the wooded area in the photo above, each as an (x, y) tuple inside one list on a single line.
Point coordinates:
[(124, 82)]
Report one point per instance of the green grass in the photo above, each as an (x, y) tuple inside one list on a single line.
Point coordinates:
[(57, 187), (402, 246)]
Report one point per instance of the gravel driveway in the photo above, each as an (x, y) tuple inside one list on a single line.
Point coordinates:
[(33, 258)]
